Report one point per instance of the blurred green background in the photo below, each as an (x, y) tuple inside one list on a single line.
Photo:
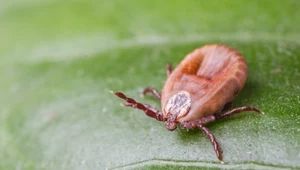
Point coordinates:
[(60, 59)]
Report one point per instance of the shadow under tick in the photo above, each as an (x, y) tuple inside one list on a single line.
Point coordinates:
[(250, 93), (187, 136)]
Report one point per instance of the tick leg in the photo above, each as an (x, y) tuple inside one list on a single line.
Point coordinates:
[(238, 110), (196, 123), (169, 69), (146, 105), (213, 141), (152, 91), (149, 111), (200, 124)]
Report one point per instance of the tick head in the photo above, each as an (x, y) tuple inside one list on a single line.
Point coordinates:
[(177, 106), (171, 123)]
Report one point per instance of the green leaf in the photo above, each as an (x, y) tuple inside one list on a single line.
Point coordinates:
[(60, 59)]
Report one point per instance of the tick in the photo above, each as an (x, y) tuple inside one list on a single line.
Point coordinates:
[(199, 90)]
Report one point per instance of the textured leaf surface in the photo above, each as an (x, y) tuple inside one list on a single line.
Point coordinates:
[(60, 59)]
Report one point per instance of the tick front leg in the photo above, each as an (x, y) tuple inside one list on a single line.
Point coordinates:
[(149, 111), (169, 69), (152, 91), (238, 110), (200, 124), (152, 109), (213, 141)]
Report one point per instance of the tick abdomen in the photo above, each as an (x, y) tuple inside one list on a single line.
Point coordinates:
[(212, 75)]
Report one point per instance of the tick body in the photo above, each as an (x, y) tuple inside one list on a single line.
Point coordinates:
[(198, 90)]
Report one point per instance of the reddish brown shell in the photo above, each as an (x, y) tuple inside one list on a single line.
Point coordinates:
[(212, 75)]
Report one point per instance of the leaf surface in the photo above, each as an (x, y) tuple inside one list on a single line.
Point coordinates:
[(60, 59)]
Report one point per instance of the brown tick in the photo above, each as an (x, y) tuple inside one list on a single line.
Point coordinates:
[(198, 90)]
